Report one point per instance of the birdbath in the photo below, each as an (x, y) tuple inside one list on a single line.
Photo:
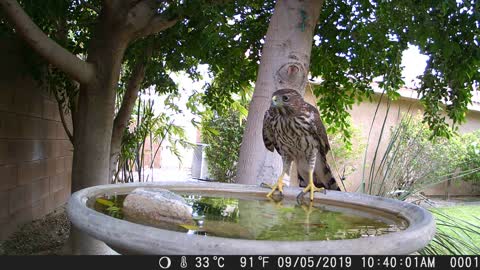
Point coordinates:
[(131, 238)]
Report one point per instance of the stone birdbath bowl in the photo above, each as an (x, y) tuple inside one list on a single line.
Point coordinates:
[(131, 238)]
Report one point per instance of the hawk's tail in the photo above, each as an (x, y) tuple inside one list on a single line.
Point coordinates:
[(322, 175)]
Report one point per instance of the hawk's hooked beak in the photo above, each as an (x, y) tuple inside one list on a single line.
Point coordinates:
[(276, 102)]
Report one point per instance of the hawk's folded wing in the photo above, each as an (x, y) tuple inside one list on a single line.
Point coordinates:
[(267, 132), (319, 128)]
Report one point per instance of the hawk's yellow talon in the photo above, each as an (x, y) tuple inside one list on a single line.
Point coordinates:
[(310, 187), (278, 185)]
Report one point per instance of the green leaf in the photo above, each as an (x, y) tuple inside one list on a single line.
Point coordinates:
[(104, 202)]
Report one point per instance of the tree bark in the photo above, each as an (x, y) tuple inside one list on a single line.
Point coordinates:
[(96, 105), (92, 136), (284, 64)]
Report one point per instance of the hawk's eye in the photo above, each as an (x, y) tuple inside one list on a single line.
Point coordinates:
[(285, 98)]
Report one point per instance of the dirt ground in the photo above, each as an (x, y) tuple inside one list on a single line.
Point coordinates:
[(48, 236)]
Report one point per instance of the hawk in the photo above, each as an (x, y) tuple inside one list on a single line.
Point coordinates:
[(293, 127)]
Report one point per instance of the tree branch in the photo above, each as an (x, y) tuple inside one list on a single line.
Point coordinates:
[(62, 116), (73, 103), (76, 68), (157, 24), (130, 96)]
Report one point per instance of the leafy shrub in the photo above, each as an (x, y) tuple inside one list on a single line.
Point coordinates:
[(157, 128), (414, 160), (470, 158), (223, 134)]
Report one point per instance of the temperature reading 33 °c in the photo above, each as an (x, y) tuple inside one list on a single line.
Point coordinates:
[(206, 262)]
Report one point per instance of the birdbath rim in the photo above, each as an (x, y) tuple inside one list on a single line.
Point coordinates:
[(130, 238)]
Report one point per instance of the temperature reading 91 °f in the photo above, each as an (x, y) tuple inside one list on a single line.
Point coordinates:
[(250, 262)]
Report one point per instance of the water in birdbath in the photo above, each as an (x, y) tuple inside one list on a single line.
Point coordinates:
[(255, 218)]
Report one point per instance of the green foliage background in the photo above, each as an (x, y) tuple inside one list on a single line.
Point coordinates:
[(223, 134), (444, 155), (471, 154), (355, 42)]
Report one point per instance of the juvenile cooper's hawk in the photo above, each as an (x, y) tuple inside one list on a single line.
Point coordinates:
[(293, 127)]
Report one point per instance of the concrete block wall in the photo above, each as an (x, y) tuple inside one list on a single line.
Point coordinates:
[(35, 153)]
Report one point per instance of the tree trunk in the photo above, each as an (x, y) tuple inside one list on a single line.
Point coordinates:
[(92, 137), (94, 120), (284, 64), (96, 106)]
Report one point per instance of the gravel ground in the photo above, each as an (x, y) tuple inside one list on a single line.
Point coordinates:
[(45, 236), (48, 236)]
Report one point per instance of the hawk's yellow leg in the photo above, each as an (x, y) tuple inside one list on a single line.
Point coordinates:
[(278, 185), (311, 186)]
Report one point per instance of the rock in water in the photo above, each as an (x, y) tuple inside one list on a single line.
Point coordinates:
[(157, 207)]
